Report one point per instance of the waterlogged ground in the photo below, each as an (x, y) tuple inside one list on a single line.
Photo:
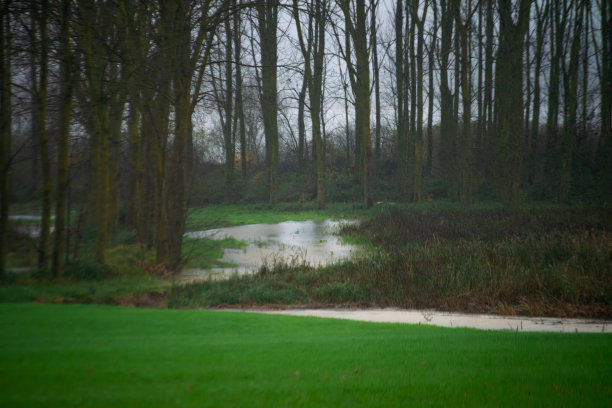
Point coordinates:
[(447, 319), (312, 242), (29, 225)]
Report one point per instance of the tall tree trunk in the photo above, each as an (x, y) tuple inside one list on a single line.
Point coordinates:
[(5, 131), (314, 48), (400, 78), (347, 133), (100, 177), (448, 125), (95, 79), (557, 19), (181, 74), (488, 79), (115, 122), (239, 102), (509, 100), (410, 64), (463, 30), (359, 74), (535, 164), (418, 142), (43, 139), (268, 22), (431, 91), (301, 160), (64, 132), (568, 146), (228, 112), (373, 4), (526, 116), (605, 140), (479, 87), (585, 69), (362, 100)]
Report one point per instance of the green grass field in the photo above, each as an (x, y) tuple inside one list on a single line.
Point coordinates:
[(75, 355)]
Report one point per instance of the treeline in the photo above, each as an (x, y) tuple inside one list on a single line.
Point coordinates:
[(101, 102)]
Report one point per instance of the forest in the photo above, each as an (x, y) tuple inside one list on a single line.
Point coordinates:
[(121, 115)]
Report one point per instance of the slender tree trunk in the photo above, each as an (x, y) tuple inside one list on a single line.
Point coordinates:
[(5, 131), (362, 100), (347, 133), (373, 4), (605, 140), (447, 119), (181, 74), (268, 22), (412, 83), (527, 116), (400, 78), (64, 132), (479, 90), (228, 112), (43, 139), (535, 165), (239, 102), (301, 128), (314, 48), (551, 165), (488, 79), (418, 142), (466, 97), (431, 91), (568, 147), (115, 123), (100, 178), (585, 70)]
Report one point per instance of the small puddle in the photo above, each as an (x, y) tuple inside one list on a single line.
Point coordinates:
[(312, 242)]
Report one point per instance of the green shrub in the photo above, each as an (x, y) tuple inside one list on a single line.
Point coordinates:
[(88, 270)]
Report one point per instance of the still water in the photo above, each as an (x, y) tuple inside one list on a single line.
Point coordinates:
[(313, 242)]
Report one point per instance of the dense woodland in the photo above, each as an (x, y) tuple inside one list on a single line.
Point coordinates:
[(121, 114)]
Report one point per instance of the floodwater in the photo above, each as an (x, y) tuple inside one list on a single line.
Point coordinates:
[(294, 242), (31, 230), (447, 319)]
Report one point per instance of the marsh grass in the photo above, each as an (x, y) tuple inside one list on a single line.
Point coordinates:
[(204, 253), (533, 262)]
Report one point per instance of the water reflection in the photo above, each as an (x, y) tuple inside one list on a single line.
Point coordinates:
[(311, 241)]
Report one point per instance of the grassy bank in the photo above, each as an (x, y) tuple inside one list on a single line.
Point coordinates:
[(69, 355), (555, 262), (216, 216)]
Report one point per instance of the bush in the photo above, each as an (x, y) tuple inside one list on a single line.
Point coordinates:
[(87, 270)]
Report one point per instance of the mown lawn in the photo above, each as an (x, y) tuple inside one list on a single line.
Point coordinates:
[(76, 355)]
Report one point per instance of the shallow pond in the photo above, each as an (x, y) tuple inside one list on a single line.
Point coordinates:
[(312, 242)]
